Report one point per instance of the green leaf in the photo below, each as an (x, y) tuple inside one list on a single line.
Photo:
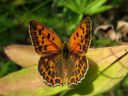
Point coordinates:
[(96, 7), (85, 7), (69, 4), (100, 9), (108, 66)]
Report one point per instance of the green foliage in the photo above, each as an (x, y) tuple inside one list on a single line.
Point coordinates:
[(7, 67), (117, 3), (85, 7), (18, 13), (103, 42), (125, 83)]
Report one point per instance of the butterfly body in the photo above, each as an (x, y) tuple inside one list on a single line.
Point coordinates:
[(61, 63), (66, 51)]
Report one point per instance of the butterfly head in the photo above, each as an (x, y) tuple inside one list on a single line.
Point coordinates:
[(66, 51)]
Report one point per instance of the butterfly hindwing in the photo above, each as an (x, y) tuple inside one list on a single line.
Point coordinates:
[(44, 39), (51, 70), (79, 69)]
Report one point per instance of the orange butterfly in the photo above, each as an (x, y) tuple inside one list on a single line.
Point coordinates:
[(61, 63)]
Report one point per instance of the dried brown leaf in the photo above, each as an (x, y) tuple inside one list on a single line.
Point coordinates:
[(22, 55)]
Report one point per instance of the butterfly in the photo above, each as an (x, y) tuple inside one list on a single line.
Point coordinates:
[(61, 62)]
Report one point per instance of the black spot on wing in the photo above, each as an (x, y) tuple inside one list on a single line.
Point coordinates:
[(39, 31), (47, 78), (82, 40), (48, 36), (34, 39), (79, 66), (45, 47), (51, 80), (81, 27), (87, 36), (78, 71), (42, 37), (80, 47), (36, 42), (42, 29), (72, 80), (40, 48), (43, 74), (84, 47), (53, 39), (83, 31), (49, 72), (42, 42), (57, 80), (77, 34)]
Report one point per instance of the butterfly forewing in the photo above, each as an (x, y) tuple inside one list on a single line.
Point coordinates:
[(80, 39), (44, 39)]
